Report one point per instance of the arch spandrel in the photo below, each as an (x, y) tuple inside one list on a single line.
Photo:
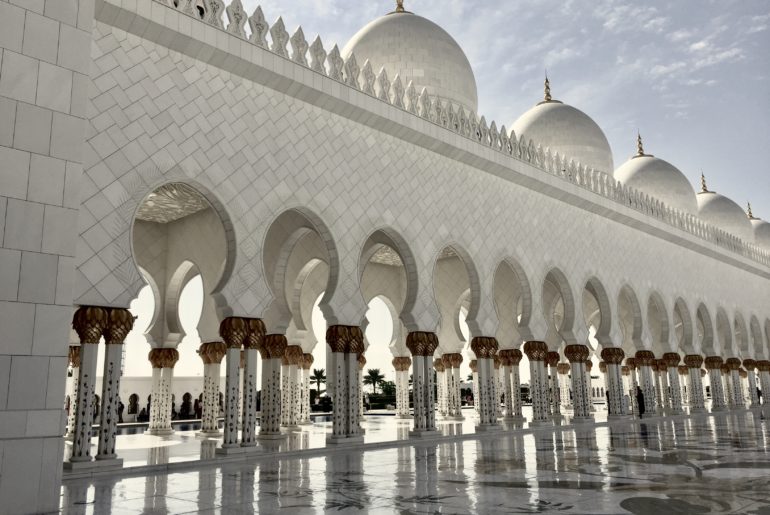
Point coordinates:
[(658, 322), (705, 331), (683, 329), (454, 272), (559, 310), (513, 304), (724, 341), (742, 338), (636, 335), (597, 312)]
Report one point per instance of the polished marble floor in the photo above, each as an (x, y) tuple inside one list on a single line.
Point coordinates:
[(703, 464)]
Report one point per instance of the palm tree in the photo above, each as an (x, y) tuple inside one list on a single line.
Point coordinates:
[(373, 378), (318, 377)]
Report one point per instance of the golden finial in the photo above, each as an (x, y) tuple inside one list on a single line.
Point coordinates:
[(547, 83), (400, 6), (703, 187), (749, 213), (639, 145)]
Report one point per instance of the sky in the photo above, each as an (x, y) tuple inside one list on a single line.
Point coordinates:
[(692, 76)]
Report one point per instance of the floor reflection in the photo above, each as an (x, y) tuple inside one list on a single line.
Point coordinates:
[(708, 464)]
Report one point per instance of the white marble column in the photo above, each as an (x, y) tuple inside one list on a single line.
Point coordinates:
[(307, 363), (451, 362), (537, 352), (402, 364), (485, 350), (657, 377), (552, 360), (294, 358), (734, 365), (693, 363), (727, 385), (90, 323), (474, 366), (613, 357), (505, 360), (354, 388), (442, 400), (672, 360), (271, 352), (564, 384), (119, 324), (346, 343), (361, 364), (251, 344), (234, 331), (284, 390), (684, 385), (212, 354), (750, 365), (515, 356), (72, 389), (163, 361), (633, 384), (714, 367), (645, 360), (422, 345), (581, 395)]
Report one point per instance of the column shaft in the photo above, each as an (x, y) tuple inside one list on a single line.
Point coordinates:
[(210, 408), (72, 391), (538, 390), (615, 389), (232, 394), (249, 407), (84, 416), (113, 359), (676, 390)]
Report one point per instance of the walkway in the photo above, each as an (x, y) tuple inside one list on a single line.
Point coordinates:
[(717, 463)]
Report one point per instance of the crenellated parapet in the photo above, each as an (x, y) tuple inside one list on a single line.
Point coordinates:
[(365, 78)]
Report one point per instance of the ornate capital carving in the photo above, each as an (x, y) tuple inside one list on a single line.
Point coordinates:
[(725, 369), (661, 364), (536, 351), (361, 361), (233, 331), (602, 367), (484, 347), (589, 365), (702, 372), (438, 364), (743, 373), (402, 363), (683, 370), (345, 338), (421, 343), (274, 345), (89, 322), (74, 356), (496, 362), (255, 333), (511, 356), (625, 370), (563, 368), (613, 355), (693, 360), (119, 324), (644, 358), (552, 359), (631, 363), (733, 363), (474, 365), (163, 358), (577, 353), (294, 355), (307, 361), (713, 362), (212, 352), (749, 364), (672, 359)]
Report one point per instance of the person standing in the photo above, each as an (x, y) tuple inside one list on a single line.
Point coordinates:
[(640, 400)]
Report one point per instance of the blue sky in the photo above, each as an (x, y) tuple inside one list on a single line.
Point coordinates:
[(693, 76)]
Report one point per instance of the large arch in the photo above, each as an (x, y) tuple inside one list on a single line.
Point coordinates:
[(558, 304), (657, 321), (631, 322), (597, 311), (683, 328), (294, 238), (454, 272), (741, 338), (513, 304), (724, 334), (705, 328), (757, 340)]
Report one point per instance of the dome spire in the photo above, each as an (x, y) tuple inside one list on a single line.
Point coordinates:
[(703, 188), (400, 6), (547, 84), (749, 213), (640, 147)]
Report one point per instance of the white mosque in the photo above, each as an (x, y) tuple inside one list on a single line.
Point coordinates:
[(179, 140)]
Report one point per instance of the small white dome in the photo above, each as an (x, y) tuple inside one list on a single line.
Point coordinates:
[(418, 50), (761, 233), (725, 214), (659, 179), (568, 131)]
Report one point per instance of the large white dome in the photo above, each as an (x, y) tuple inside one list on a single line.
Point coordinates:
[(725, 214), (761, 233), (418, 50), (568, 131), (660, 179)]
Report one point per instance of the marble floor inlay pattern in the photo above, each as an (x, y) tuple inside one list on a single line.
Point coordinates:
[(703, 464)]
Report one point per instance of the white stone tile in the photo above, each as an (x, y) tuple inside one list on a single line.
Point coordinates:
[(57, 376), (37, 280), (33, 5), (73, 172), (51, 324), (44, 422), (21, 470), (58, 224), (14, 172), (54, 87), (64, 11), (67, 137), (5, 371), (13, 424), (11, 26), (72, 41), (7, 118), (27, 388), (23, 225), (17, 320), (79, 100), (41, 37), (46, 180), (18, 77), (10, 266), (33, 128), (64, 281)]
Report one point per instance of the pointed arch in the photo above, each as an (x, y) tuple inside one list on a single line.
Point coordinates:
[(597, 311), (683, 327), (705, 328), (513, 303), (631, 320), (658, 322)]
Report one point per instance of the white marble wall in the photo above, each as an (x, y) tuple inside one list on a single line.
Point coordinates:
[(44, 65)]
